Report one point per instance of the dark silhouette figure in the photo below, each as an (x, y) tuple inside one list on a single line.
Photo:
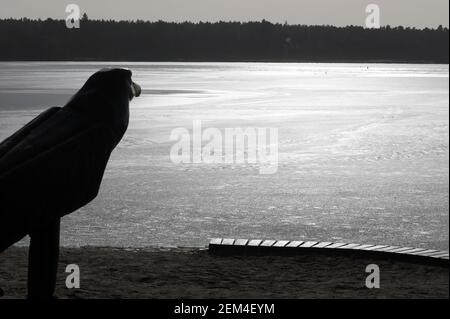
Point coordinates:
[(54, 165)]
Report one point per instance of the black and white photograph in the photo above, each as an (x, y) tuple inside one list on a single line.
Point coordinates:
[(224, 154)]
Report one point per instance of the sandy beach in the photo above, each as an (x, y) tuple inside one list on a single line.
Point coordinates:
[(194, 273)]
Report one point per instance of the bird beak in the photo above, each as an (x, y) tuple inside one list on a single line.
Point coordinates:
[(135, 90)]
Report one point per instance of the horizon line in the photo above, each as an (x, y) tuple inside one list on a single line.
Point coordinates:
[(443, 27)]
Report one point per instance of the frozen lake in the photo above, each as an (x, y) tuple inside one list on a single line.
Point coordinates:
[(363, 152)]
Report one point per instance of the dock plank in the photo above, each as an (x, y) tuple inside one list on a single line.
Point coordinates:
[(348, 246), (254, 242), (281, 243), (308, 244), (215, 241), (440, 255), (401, 249), (268, 243), (335, 245), (294, 244), (241, 242), (361, 247), (414, 250), (426, 252), (228, 241), (376, 247), (323, 244), (387, 248)]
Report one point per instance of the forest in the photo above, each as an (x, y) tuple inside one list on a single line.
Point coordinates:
[(95, 40)]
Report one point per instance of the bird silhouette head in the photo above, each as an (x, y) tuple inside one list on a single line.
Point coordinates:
[(105, 98)]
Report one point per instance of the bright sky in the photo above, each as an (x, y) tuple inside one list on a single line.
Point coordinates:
[(417, 13)]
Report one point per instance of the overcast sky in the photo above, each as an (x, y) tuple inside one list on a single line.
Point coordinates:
[(417, 13)]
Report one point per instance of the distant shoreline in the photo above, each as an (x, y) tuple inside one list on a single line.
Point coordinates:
[(96, 40)]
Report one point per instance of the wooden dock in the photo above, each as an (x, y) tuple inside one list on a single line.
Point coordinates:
[(227, 246)]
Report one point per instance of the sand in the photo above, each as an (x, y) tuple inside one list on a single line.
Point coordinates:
[(194, 273)]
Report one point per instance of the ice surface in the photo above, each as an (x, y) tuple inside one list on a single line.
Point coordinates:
[(363, 153)]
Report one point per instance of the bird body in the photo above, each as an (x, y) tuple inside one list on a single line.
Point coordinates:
[(54, 165)]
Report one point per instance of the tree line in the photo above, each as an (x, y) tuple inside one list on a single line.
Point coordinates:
[(26, 39)]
